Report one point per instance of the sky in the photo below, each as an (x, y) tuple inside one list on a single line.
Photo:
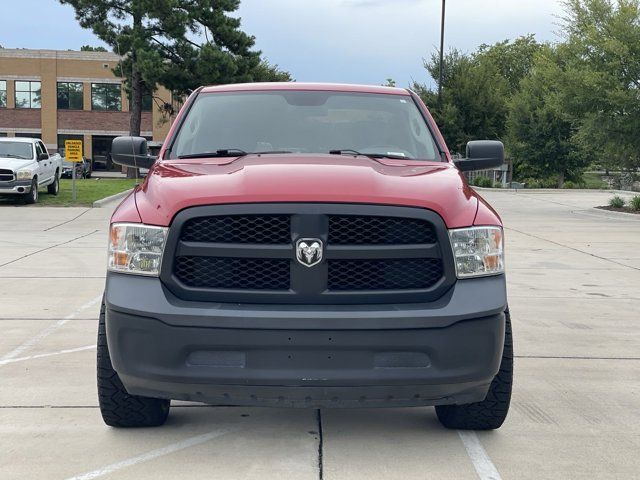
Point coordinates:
[(351, 41)]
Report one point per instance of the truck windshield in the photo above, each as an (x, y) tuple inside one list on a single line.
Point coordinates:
[(306, 122), (21, 150)]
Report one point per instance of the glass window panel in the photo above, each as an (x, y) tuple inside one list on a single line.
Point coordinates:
[(98, 97), (23, 99), (63, 96), (3, 93), (35, 94), (75, 100), (22, 86), (114, 97)]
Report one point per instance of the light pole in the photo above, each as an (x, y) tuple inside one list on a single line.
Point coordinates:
[(441, 56)]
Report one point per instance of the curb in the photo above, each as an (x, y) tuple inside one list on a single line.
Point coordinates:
[(111, 198), (555, 190)]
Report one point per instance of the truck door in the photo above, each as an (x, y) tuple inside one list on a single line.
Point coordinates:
[(44, 166)]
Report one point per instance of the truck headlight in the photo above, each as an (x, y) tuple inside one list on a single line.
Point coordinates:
[(478, 251), (24, 175), (136, 248)]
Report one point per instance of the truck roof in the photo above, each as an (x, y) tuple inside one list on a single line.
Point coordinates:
[(18, 139), (333, 87)]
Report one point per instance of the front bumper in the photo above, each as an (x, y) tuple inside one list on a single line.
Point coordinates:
[(15, 187), (443, 352)]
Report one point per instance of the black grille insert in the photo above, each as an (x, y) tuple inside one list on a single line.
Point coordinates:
[(371, 230), (265, 229), (6, 175), (233, 273), (387, 274)]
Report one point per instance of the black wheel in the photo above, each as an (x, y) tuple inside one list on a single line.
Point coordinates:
[(118, 408), (54, 188), (490, 413), (32, 196)]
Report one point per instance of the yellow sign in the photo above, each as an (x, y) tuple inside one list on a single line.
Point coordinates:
[(73, 150)]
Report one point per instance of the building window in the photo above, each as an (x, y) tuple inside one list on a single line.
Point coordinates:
[(70, 96), (27, 94), (3, 93), (106, 96)]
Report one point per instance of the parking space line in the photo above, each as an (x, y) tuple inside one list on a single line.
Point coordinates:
[(43, 355), (485, 468), (48, 331), (153, 454)]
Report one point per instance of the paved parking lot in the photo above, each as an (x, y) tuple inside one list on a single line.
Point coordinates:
[(574, 288)]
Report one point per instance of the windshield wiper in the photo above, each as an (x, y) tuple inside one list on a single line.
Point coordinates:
[(374, 156), (231, 152), (223, 152), (11, 155)]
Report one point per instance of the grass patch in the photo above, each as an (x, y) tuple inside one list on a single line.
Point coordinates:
[(88, 191), (594, 180)]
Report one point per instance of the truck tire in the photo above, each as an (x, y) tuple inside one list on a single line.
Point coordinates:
[(32, 197), (118, 408), (490, 413), (54, 188)]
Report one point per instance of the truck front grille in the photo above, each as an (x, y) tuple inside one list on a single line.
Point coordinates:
[(246, 254), (6, 175)]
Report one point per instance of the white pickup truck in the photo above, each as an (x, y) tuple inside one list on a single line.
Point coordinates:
[(26, 166)]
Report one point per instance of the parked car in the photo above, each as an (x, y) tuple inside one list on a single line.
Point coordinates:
[(26, 166), (83, 169), (305, 245)]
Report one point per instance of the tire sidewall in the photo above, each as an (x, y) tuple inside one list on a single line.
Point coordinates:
[(32, 196), (55, 186)]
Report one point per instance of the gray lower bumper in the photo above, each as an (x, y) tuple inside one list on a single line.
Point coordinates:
[(340, 356), (16, 187)]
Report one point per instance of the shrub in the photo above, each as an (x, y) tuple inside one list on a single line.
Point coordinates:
[(483, 182), (569, 184), (497, 184), (616, 202), (634, 203), (532, 183)]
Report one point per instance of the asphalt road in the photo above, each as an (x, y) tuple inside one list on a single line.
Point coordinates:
[(574, 289)]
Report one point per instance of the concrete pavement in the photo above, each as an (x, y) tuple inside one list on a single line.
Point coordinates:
[(574, 289)]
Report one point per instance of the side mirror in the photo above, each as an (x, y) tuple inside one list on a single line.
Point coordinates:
[(481, 155), (43, 156), (131, 152)]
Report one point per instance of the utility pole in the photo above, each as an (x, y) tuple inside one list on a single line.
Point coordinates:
[(441, 56)]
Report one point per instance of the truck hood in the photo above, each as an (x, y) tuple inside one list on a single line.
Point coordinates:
[(174, 185), (14, 163)]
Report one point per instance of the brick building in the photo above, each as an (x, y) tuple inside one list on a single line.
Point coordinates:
[(59, 95)]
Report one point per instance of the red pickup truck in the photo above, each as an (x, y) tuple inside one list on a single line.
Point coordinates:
[(305, 245)]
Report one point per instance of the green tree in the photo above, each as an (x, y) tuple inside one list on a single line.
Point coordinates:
[(539, 128), (512, 59), (180, 44), (602, 80), (474, 99), (477, 88)]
